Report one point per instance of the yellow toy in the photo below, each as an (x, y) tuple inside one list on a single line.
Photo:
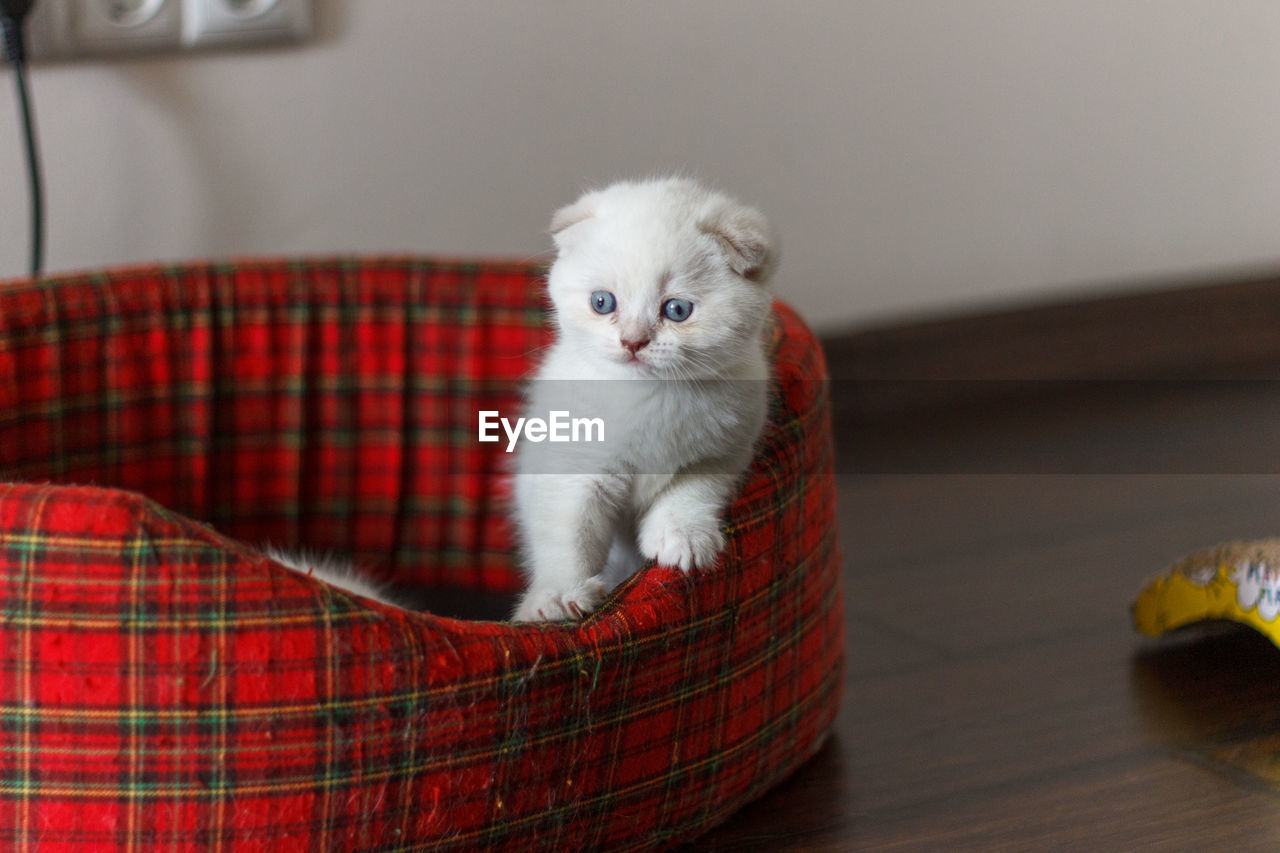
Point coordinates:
[(1236, 581)]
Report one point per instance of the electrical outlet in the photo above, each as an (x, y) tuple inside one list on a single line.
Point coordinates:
[(64, 29), (213, 22), (126, 25)]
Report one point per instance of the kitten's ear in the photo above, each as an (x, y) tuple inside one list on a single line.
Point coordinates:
[(747, 239), (570, 215)]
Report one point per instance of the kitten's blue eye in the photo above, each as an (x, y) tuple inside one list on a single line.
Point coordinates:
[(603, 302), (677, 309)]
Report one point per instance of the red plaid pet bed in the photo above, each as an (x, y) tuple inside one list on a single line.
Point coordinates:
[(166, 686)]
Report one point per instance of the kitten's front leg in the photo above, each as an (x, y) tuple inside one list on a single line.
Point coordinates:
[(567, 523), (682, 526)]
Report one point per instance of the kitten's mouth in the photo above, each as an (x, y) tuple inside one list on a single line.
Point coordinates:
[(634, 360)]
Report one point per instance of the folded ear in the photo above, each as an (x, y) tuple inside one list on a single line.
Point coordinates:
[(747, 239), (570, 215)]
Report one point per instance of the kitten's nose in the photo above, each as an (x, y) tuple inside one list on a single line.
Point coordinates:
[(634, 345)]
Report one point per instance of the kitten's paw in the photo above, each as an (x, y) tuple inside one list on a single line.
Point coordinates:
[(552, 604), (686, 544)]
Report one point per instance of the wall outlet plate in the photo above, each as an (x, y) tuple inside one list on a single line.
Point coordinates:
[(125, 25), (208, 22), (65, 29)]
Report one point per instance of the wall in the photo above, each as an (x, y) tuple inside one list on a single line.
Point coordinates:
[(919, 156)]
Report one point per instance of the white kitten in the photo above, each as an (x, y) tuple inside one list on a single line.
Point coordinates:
[(661, 312)]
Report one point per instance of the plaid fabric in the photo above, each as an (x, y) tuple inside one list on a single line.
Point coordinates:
[(166, 686)]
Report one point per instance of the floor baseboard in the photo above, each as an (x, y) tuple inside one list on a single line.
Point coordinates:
[(1216, 331)]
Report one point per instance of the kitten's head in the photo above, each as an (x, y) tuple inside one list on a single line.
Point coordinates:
[(663, 276)]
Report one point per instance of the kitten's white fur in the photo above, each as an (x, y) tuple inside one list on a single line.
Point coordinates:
[(332, 570), (687, 407)]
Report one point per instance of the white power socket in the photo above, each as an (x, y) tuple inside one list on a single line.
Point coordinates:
[(62, 29), (240, 21), (123, 25)]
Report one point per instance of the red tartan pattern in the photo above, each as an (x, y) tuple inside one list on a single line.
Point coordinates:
[(164, 685)]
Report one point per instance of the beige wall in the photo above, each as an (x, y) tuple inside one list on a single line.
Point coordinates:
[(917, 155)]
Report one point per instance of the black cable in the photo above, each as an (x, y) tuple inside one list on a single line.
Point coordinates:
[(33, 172), (11, 16)]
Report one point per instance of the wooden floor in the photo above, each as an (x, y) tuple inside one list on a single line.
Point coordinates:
[(996, 696)]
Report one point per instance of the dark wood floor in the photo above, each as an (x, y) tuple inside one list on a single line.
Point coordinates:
[(996, 696)]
